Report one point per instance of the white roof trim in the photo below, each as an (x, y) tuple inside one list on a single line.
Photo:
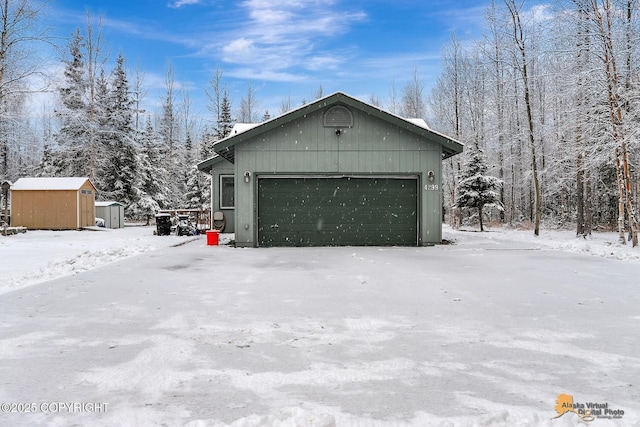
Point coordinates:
[(74, 183), (108, 203)]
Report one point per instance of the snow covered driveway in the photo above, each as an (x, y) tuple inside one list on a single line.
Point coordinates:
[(41, 255), (484, 332)]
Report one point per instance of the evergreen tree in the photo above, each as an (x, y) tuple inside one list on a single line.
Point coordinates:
[(206, 152), (476, 189), (225, 124), (206, 145), (120, 171), (150, 184), (74, 156), (48, 165), (102, 136), (171, 157), (195, 194)]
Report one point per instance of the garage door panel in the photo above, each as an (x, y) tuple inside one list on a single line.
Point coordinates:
[(337, 211), (324, 227)]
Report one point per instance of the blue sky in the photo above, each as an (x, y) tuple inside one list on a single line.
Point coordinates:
[(285, 48)]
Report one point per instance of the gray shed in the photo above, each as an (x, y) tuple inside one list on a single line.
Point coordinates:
[(335, 172), (112, 213)]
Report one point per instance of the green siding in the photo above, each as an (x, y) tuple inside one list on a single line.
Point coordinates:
[(347, 211), (222, 167), (305, 146)]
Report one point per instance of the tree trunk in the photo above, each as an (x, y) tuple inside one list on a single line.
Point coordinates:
[(588, 219), (619, 180), (480, 217), (519, 38), (534, 164), (603, 19), (628, 198), (580, 226)]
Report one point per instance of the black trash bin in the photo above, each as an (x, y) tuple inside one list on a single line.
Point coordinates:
[(163, 224)]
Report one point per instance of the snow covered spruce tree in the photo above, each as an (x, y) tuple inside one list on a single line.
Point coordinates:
[(151, 183), (225, 123), (193, 181), (476, 189), (119, 172), (195, 196), (73, 158), (171, 156)]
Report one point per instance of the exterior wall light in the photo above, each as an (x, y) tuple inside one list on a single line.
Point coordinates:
[(247, 176), (338, 132), (431, 175)]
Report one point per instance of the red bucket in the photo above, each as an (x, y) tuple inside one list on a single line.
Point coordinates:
[(212, 237)]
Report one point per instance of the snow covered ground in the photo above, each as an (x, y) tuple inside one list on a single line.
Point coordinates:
[(40, 255), (603, 245), (488, 331)]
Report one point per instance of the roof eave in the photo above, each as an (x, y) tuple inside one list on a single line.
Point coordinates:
[(207, 165), (225, 147)]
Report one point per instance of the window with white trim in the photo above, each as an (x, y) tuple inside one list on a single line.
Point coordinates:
[(227, 183)]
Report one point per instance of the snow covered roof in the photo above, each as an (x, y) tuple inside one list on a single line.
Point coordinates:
[(242, 127), (50, 183), (226, 147), (108, 203), (419, 122)]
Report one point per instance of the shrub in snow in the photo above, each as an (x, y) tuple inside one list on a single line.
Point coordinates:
[(476, 189)]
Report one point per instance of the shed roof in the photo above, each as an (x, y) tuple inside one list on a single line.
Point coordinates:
[(51, 183), (226, 147), (108, 203)]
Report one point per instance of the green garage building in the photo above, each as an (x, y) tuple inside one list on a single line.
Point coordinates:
[(335, 172)]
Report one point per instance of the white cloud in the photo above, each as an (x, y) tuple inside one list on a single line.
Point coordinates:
[(324, 62), (179, 3), (540, 13), (239, 48), (279, 37), (253, 74)]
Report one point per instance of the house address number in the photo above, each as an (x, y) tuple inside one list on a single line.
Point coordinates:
[(431, 187)]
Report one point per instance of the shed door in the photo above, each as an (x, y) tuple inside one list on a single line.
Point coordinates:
[(346, 211), (87, 208), (114, 214)]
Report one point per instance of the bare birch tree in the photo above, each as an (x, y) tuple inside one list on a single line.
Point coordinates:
[(138, 93), (495, 54), (522, 63), (20, 35), (249, 106), (413, 97), (215, 93), (601, 15), (95, 60)]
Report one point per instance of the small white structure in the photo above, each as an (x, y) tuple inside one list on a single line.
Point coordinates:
[(112, 213)]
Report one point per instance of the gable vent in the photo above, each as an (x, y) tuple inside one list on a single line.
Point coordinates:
[(338, 116)]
